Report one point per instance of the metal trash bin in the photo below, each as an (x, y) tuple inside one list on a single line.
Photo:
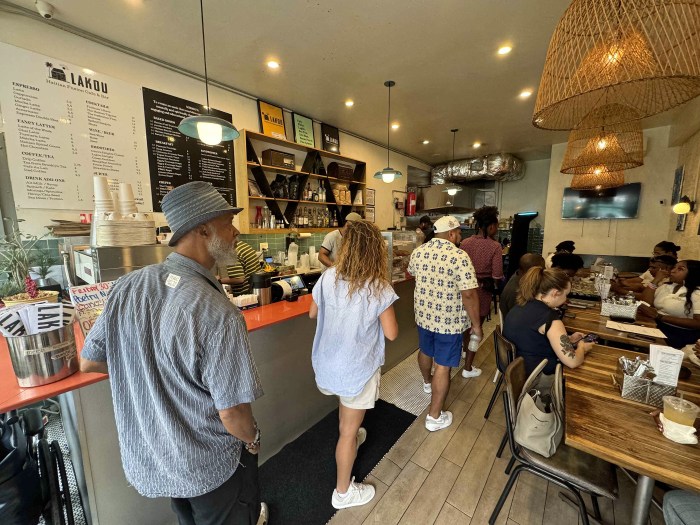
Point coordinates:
[(44, 358)]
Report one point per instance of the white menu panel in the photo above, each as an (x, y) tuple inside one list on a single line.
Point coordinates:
[(63, 124)]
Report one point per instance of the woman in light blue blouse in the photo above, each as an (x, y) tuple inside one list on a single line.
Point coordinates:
[(353, 304)]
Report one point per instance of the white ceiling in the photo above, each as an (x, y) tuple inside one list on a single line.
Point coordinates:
[(441, 53)]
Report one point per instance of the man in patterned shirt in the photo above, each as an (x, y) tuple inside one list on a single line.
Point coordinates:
[(445, 301), (181, 372)]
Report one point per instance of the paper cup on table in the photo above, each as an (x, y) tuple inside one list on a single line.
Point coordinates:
[(604, 291), (115, 199)]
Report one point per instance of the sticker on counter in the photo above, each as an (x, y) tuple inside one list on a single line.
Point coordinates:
[(172, 280)]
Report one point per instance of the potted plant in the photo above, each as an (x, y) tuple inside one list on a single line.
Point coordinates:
[(15, 261)]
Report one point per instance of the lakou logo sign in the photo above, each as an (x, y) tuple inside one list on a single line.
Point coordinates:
[(63, 73)]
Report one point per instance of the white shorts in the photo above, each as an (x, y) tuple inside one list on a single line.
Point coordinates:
[(365, 399)]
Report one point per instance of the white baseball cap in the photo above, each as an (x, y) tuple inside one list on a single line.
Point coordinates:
[(445, 224)]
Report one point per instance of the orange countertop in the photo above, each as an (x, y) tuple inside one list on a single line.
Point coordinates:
[(13, 396)]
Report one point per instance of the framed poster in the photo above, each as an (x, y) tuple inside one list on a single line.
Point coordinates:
[(680, 222), (271, 120), (330, 138), (369, 214), (677, 186), (303, 130), (370, 196)]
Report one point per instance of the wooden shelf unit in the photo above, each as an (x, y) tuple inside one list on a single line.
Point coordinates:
[(248, 163)]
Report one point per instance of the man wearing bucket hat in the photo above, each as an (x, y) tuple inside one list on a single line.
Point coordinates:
[(182, 374), (330, 247), (445, 301)]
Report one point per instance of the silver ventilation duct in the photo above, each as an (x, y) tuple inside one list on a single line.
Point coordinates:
[(502, 167)]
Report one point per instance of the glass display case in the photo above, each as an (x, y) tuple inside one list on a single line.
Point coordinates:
[(400, 245)]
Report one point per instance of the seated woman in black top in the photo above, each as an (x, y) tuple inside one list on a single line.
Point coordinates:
[(533, 325)]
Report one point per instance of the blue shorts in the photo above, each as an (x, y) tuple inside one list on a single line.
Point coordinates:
[(446, 349)]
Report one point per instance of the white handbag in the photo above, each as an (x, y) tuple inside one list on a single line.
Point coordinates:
[(539, 423)]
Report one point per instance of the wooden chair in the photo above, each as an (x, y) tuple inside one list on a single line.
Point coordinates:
[(568, 468), (505, 353)]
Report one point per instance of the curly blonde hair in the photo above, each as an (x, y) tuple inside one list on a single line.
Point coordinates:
[(363, 258)]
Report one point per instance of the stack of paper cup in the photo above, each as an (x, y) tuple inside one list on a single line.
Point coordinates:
[(115, 200), (127, 203), (103, 198)]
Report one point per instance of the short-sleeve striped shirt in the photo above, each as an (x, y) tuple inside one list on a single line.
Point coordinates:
[(246, 266), (177, 352)]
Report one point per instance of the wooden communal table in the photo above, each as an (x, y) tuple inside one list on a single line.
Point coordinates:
[(600, 422), (590, 321)]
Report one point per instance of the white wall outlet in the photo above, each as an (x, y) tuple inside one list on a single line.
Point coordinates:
[(263, 246)]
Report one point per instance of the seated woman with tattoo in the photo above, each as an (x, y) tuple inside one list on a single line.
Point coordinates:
[(533, 325)]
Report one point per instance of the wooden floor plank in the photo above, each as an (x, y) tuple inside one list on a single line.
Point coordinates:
[(457, 450), (529, 499), (493, 489), (392, 506), (451, 516), (471, 481), (429, 500), (386, 471), (557, 511), (430, 450), (409, 442)]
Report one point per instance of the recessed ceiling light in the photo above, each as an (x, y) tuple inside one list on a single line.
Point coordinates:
[(504, 50), (525, 93), (272, 64), (435, 155), (476, 145), (426, 142), (88, 71), (349, 103), (395, 125)]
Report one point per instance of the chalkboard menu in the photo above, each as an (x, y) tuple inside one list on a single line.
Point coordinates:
[(175, 159)]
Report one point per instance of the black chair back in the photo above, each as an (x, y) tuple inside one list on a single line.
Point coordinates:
[(505, 350)]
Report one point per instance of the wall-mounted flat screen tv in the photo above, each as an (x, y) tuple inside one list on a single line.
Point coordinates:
[(613, 203)]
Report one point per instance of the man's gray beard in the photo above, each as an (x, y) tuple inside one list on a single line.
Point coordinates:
[(223, 254)]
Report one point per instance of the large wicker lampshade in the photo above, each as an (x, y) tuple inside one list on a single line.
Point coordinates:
[(611, 179), (641, 53), (598, 143)]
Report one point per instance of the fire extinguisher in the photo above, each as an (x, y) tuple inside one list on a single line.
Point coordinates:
[(411, 203)]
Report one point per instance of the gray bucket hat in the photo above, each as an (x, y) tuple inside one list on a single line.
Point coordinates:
[(192, 204)]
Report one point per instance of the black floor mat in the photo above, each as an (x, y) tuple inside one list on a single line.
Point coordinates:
[(298, 482)]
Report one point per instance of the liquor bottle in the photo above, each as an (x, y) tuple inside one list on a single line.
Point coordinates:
[(335, 219), (308, 192), (321, 192), (311, 218), (317, 193)]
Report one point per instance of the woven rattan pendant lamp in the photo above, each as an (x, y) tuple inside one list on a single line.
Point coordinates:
[(641, 53), (600, 144), (602, 181)]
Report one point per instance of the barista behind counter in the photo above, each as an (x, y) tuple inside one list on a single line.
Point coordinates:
[(330, 247), (239, 274)]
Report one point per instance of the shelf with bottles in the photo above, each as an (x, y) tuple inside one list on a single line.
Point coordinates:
[(261, 231), (286, 189), (302, 217)]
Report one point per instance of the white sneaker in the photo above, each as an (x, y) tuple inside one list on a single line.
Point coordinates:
[(444, 421), (361, 437), (358, 494), (264, 514), (428, 388), (474, 372)]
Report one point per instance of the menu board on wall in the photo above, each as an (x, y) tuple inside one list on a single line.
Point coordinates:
[(177, 159), (64, 124)]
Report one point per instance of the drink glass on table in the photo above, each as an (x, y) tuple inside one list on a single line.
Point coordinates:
[(680, 411)]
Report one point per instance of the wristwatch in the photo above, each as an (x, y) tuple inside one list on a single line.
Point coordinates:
[(256, 442)]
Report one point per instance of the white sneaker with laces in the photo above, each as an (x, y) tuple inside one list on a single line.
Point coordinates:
[(428, 388), (357, 494), (264, 514), (444, 421), (361, 437), (474, 372)]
